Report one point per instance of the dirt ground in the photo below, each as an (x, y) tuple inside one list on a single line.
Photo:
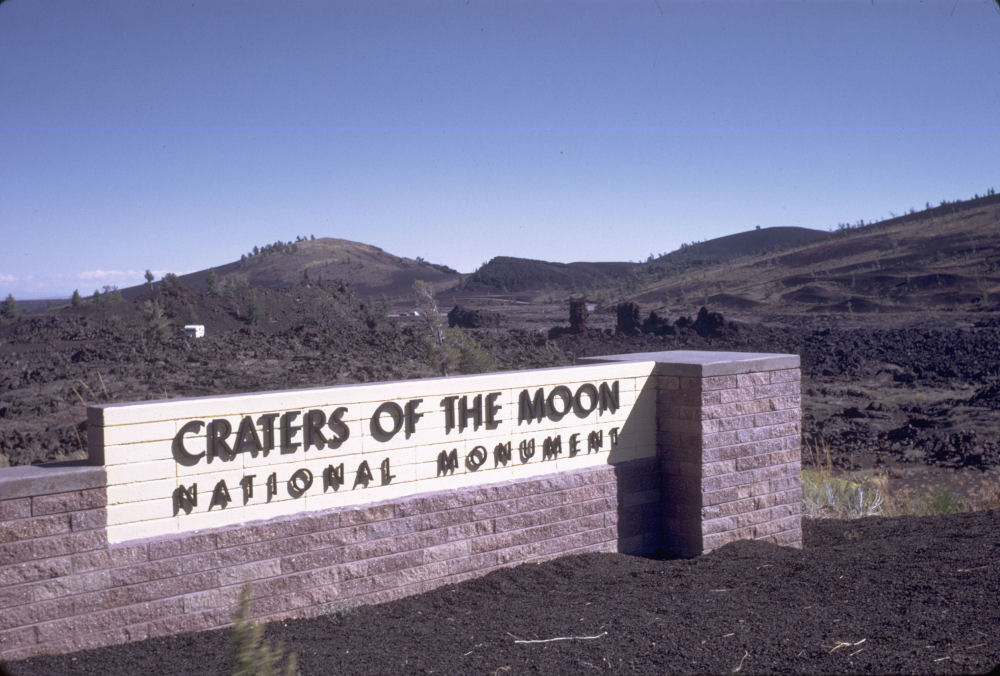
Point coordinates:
[(876, 595)]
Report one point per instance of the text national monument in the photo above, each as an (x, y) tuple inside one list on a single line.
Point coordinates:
[(333, 497)]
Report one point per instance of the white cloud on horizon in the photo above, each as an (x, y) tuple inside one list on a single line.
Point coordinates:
[(61, 285), (101, 275)]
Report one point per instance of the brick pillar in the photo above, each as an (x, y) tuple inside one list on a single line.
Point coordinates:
[(729, 442), (729, 448)]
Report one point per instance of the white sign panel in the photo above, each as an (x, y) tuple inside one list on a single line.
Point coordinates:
[(183, 465)]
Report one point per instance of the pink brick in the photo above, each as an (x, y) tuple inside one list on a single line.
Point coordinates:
[(785, 375), (31, 571), (47, 547), (16, 508), (33, 527), (719, 383), (26, 615), (712, 426), (787, 538), (367, 514), (98, 639), (110, 557), (68, 502), (17, 595), (203, 621), (18, 638), (181, 545), (766, 460), (224, 598), (753, 379), (745, 393), (255, 570), (736, 408), (90, 519), (786, 389), (68, 585)]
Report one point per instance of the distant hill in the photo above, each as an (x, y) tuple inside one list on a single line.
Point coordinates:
[(370, 271), (942, 258), (755, 241), (945, 257), (505, 273)]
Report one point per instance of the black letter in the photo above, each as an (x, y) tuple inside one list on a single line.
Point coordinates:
[(591, 392), (447, 462), (247, 439), (339, 428), (595, 441), (272, 485), (551, 447), (181, 454), (412, 416), (492, 408), (333, 477), (247, 483), (288, 432), (464, 412), (266, 422), (384, 469), (501, 454), (218, 432), (609, 397), (300, 482), (560, 392), (185, 498), (531, 409), (476, 458), (314, 421), (574, 444), (448, 404), (395, 412), (526, 449), (364, 475), (220, 496)]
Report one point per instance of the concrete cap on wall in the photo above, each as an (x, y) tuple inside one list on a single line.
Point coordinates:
[(702, 363), (30, 480)]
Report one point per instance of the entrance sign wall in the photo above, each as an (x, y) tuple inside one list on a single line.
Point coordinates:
[(333, 497), (176, 466)]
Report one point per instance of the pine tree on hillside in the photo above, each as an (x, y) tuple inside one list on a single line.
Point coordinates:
[(9, 309)]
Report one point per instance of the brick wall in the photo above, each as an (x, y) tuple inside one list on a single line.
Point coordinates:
[(725, 467), (730, 459), (63, 588)]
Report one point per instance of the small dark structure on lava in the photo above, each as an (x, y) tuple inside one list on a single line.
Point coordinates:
[(472, 319), (578, 315)]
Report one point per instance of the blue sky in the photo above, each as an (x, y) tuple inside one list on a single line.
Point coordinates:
[(175, 136)]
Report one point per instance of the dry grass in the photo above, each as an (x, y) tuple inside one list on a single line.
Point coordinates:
[(828, 493)]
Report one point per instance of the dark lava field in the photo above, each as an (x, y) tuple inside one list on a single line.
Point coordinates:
[(922, 393)]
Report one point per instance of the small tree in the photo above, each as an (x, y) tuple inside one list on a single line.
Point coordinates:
[(157, 325), (76, 299), (253, 655), (149, 279), (448, 348), (213, 284), (170, 279), (256, 309), (9, 309)]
